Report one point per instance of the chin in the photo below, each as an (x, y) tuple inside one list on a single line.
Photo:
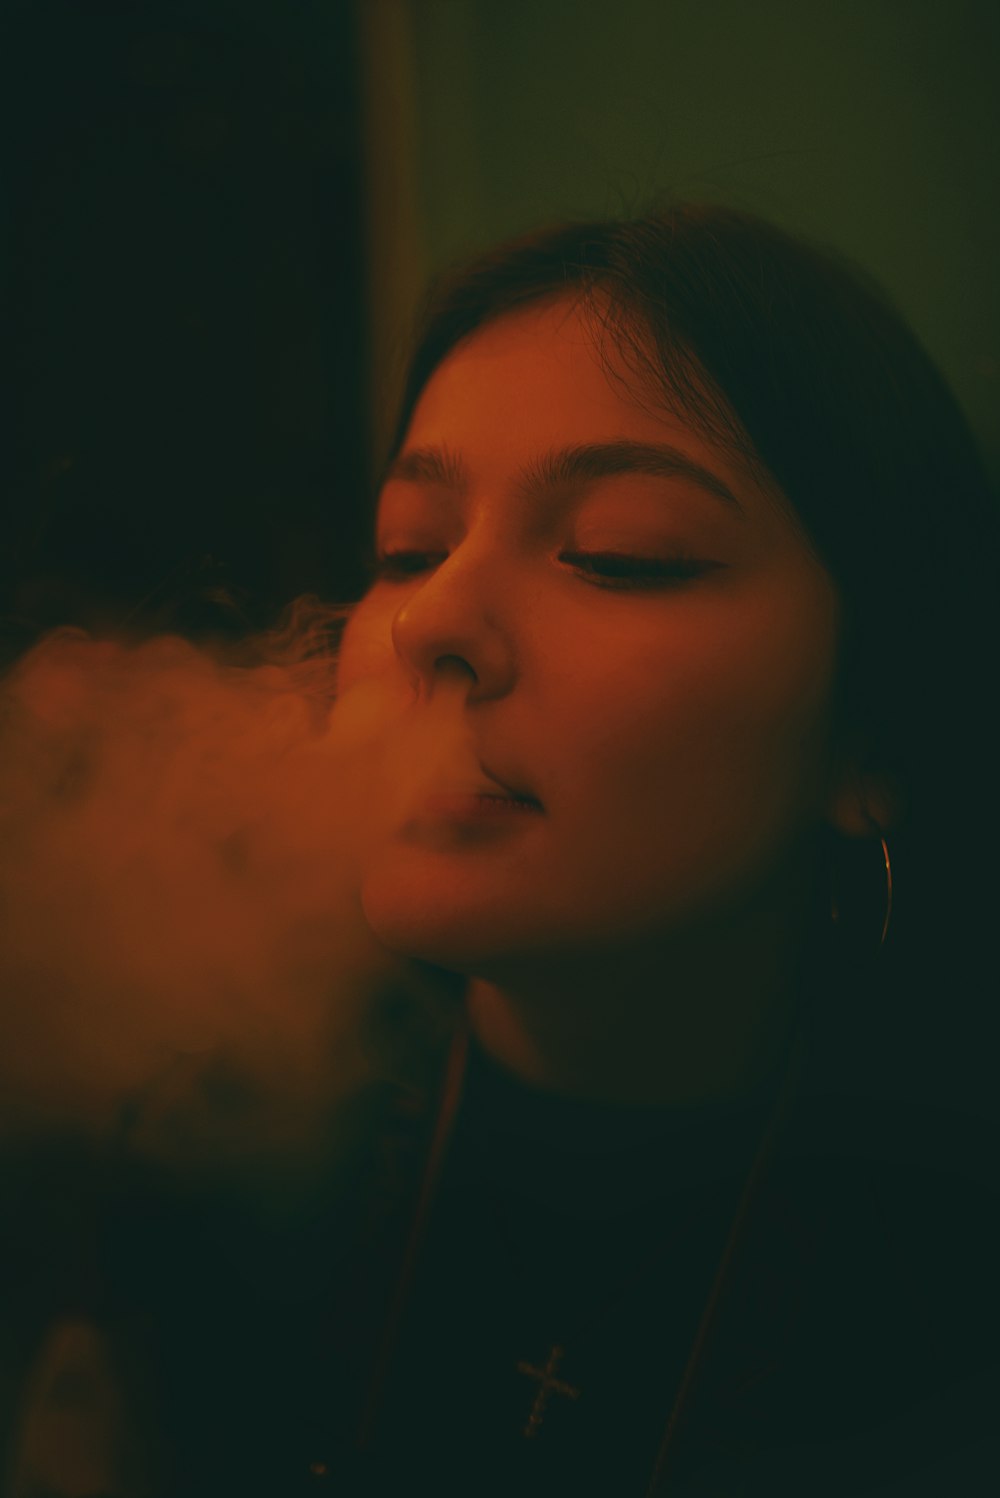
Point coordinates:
[(426, 935), (438, 926)]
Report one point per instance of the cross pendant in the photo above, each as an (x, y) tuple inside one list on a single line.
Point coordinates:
[(548, 1385)]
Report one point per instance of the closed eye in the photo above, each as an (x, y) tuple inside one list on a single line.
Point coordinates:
[(613, 570), (398, 566)]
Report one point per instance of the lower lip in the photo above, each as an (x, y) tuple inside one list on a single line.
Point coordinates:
[(472, 807)]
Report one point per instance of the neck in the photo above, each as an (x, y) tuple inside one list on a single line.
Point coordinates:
[(696, 1021)]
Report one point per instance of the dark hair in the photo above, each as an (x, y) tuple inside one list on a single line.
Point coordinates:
[(796, 362)]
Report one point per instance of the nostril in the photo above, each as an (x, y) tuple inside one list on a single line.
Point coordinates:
[(454, 665)]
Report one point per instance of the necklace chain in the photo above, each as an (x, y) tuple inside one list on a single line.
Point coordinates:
[(549, 1382)]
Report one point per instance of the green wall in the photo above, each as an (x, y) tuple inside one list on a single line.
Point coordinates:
[(874, 124)]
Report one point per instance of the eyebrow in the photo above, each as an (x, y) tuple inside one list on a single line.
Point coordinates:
[(429, 465), (582, 463)]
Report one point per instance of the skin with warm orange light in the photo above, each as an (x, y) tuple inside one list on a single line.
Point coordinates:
[(636, 938)]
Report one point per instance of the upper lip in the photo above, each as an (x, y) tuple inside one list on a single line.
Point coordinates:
[(510, 790), (492, 786)]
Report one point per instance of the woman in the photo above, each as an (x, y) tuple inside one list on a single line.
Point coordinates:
[(686, 544), (686, 518)]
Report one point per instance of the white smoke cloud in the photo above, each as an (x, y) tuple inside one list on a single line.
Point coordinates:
[(182, 949)]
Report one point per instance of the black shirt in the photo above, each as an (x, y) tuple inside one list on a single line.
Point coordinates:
[(853, 1352), (569, 1257)]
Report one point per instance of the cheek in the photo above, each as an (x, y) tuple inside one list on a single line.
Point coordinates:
[(755, 709), (711, 776)]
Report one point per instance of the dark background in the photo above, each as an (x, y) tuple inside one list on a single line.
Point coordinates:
[(182, 310)]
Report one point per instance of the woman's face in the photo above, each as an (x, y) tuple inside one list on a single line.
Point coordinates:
[(643, 641)]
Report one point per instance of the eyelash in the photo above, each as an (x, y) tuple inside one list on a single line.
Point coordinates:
[(620, 572)]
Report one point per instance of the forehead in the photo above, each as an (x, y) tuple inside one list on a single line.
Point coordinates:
[(547, 377), (502, 368)]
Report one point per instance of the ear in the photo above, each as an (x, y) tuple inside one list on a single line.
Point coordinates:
[(864, 800)]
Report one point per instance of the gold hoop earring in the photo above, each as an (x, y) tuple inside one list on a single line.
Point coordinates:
[(887, 863), (836, 913)]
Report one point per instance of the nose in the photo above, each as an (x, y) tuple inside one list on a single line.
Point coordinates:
[(452, 624)]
